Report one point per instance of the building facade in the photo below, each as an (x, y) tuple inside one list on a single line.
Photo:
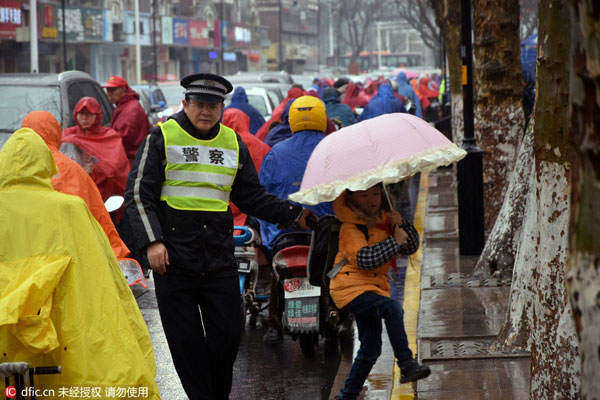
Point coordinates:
[(177, 37)]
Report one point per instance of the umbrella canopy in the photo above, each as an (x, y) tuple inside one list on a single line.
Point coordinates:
[(388, 149)]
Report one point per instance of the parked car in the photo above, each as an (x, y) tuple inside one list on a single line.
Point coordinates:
[(153, 101), (281, 80), (259, 98), (55, 93), (173, 93)]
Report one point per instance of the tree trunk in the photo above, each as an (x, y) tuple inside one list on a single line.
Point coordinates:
[(540, 316), (583, 277), (447, 16), (502, 243), (499, 118)]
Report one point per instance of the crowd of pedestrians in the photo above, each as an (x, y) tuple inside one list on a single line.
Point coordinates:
[(186, 182)]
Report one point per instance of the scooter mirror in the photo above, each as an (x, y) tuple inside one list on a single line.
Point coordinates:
[(113, 203)]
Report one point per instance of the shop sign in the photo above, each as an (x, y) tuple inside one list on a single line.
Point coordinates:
[(166, 30), (229, 56), (181, 31), (82, 24), (242, 34), (199, 34), (49, 29), (10, 18)]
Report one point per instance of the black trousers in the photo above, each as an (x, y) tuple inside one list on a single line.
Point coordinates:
[(202, 321)]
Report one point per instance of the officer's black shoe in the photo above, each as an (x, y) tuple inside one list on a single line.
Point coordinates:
[(412, 371), (272, 335)]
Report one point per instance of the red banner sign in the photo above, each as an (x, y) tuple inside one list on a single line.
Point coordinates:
[(199, 34)]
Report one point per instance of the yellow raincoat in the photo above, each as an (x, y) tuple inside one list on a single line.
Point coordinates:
[(63, 298)]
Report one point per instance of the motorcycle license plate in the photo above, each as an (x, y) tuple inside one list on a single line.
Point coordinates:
[(243, 265), (299, 287), (301, 314)]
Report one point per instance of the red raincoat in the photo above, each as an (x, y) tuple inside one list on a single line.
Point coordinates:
[(131, 122), (110, 174), (353, 97), (240, 123), (72, 179), (425, 92)]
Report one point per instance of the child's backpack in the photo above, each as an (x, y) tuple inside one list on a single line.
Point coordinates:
[(323, 249)]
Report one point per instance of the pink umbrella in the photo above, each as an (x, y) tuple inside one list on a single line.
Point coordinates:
[(409, 74), (388, 149)]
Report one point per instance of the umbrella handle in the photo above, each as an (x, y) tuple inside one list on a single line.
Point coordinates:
[(387, 195)]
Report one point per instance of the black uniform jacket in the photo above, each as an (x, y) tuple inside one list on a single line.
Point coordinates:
[(198, 242)]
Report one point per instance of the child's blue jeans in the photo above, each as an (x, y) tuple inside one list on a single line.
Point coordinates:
[(369, 309)]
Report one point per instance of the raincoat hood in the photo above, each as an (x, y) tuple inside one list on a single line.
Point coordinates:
[(128, 96), (239, 95), (331, 95), (385, 91), (92, 105), (63, 298), (25, 160), (236, 119), (45, 125), (401, 79)]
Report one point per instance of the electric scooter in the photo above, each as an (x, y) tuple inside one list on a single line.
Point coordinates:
[(253, 274)]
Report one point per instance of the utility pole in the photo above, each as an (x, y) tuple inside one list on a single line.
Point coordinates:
[(154, 50), (64, 35), (138, 48), (378, 44), (33, 36), (221, 36), (280, 36), (469, 169)]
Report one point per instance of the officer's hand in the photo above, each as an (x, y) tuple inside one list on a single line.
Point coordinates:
[(307, 219), (158, 257)]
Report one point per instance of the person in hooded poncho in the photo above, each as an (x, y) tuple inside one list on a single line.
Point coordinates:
[(106, 145), (384, 102), (293, 93), (239, 100), (63, 298), (336, 110), (129, 118), (72, 178), (281, 131), (240, 122), (405, 89), (353, 97)]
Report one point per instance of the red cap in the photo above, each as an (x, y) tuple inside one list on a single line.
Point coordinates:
[(115, 82)]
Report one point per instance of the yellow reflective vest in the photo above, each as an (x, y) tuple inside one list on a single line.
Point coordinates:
[(199, 173)]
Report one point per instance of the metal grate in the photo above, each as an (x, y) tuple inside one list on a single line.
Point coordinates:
[(460, 280), (464, 349)]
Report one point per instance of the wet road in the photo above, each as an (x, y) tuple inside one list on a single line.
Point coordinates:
[(263, 372)]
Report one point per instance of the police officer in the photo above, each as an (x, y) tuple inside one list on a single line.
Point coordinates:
[(177, 197)]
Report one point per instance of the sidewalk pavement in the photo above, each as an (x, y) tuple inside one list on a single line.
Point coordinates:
[(450, 319)]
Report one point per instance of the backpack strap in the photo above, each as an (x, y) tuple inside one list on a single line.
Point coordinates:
[(337, 267)]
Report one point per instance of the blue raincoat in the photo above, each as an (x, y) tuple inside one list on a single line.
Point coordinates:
[(239, 100), (406, 90), (384, 102), (283, 130), (335, 109), (281, 173)]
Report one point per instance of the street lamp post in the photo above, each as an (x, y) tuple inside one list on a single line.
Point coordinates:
[(33, 36), (280, 51), (64, 34), (138, 48), (470, 168), (221, 17)]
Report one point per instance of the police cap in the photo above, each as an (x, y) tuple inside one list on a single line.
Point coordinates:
[(206, 87)]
